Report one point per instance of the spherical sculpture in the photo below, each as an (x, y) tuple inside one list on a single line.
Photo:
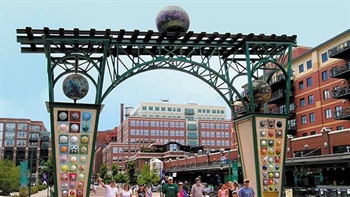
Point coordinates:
[(261, 92), (75, 86), (172, 19)]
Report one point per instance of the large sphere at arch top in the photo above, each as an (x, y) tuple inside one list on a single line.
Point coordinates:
[(172, 19), (75, 86), (261, 91)]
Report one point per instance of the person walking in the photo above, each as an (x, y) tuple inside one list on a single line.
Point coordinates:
[(170, 189), (197, 189), (111, 189), (126, 191), (246, 190), (223, 191), (182, 191), (232, 186), (148, 191), (141, 191)]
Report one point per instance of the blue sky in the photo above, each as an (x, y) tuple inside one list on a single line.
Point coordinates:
[(23, 78)]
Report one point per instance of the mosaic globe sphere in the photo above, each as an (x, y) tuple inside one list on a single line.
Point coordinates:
[(75, 86), (172, 19), (261, 92)]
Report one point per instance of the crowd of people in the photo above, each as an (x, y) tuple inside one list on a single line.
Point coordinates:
[(171, 189)]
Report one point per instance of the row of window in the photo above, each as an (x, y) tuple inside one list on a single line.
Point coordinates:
[(309, 80), (218, 142), (11, 127), (145, 123), (146, 132), (324, 58), (314, 132), (310, 101), (214, 126), (187, 110), (20, 143), (156, 108), (190, 118), (327, 112), (218, 134)]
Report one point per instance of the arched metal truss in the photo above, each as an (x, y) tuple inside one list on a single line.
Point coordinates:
[(107, 58)]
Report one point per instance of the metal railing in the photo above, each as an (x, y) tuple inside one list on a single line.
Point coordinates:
[(339, 48), (337, 70)]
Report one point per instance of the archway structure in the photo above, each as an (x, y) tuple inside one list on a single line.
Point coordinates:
[(107, 58)]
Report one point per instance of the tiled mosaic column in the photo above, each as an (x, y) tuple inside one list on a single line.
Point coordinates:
[(261, 140)]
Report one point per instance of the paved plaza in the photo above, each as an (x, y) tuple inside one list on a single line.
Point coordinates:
[(100, 193)]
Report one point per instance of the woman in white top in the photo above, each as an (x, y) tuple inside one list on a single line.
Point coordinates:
[(126, 191)]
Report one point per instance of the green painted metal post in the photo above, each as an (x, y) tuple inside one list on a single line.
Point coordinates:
[(31, 170)]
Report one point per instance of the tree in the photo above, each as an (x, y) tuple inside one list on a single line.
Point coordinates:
[(103, 171), (121, 178), (115, 169), (9, 176), (49, 167), (148, 176), (131, 173)]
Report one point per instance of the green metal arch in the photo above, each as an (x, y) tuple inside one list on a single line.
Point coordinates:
[(131, 73), (261, 62), (58, 61)]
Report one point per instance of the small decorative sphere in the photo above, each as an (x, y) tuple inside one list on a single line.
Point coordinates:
[(84, 139), (271, 133), (278, 143), (265, 181), (270, 151), (263, 151), (63, 127), (270, 142), (263, 143), (86, 128), (263, 133), (81, 177), (270, 159), (75, 116), (62, 116), (261, 91), (86, 116), (74, 139), (278, 151), (74, 127), (270, 167), (277, 167), (277, 175), (64, 158), (75, 86), (172, 19), (271, 175), (265, 175), (82, 158), (264, 167), (64, 168)]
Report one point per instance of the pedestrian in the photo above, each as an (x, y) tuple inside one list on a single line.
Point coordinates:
[(148, 191), (111, 189), (223, 191), (170, 189), (197, 189), (246, 190), (182, 191), (232, 186), (235, 193), (141, 191), (205, 194), (126, 191)]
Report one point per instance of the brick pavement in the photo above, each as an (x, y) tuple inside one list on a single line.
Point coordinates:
[(100, 193)]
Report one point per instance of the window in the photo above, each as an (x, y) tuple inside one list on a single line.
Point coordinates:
[(309, 82), (115, 149), (313, 133), (301, 68), (156, 108), (303, 119), (144, 107), (326, 94), (312, 117), (328, 113), (340, 128), (337, 111), (324, 57), (169, 108), (310, 99), (324, 75), (302, 102), (304, 134), (309, 64), (150, 108), (301, 85), (22, 126), (163, 108)]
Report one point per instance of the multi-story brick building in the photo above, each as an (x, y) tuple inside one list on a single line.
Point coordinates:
[(25, 140), (318, 147), (163, 122)]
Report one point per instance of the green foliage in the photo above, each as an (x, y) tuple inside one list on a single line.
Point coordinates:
[(9, 176), (103, 171), (147, 176), (115, 169), (131, 173), (49, 167), (121, 178), (24, 192)]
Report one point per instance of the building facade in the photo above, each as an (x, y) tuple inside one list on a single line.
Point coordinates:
[(163, 122), (25, 140)]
